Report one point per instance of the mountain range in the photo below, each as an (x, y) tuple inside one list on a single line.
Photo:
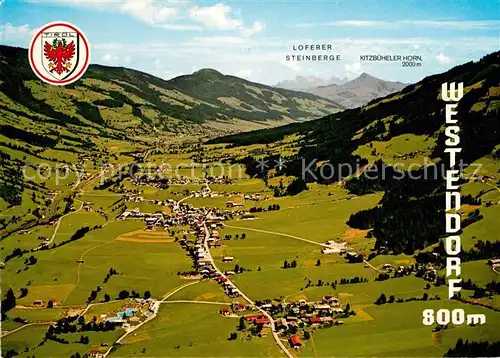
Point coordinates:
[(118, 99), (349, 94), (304, 83)]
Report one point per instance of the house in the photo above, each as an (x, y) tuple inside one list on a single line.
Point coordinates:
[(38, 303), (387, 267), (238, 306), (95, 353), (328, 251), (281, 323), (227, 259), (253, 317), (315, 320), (323, 307), (295, 341), (224, 311), (494, 262)]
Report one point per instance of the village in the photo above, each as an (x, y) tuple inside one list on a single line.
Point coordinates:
[(284, 319)]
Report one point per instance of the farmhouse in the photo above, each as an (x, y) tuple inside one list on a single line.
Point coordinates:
[(322, 307), (494, 262), (227, 259), (328, 251), (231, 204), (295, 341), (95, 353), (38, 303)]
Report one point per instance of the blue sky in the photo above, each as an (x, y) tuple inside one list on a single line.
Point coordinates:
[(251, 38)]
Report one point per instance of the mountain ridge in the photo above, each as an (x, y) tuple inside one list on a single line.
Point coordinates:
[(352, 93), (123, 99)]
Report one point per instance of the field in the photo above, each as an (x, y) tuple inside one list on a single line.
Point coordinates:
[(177, 332), (396, 330)]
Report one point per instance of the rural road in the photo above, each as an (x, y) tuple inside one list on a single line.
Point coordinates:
[(220, 273), (23, 326), (279, 234), (203, 302), (57, 226)]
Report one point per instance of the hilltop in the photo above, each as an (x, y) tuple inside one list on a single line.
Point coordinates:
[(305, 83), (359, 91)]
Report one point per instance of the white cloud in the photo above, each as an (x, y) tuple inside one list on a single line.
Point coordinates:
[(16, 35), (464, 25), (291, 65), (217, 16), (109, 58), (149, 11), (243, 73), (257, 27), (353, 69), (9, 29), (437, 24), (442, 59)]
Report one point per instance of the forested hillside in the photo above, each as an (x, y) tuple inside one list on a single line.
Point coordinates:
[(409, 216)]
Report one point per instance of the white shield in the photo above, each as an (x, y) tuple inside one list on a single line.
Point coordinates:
[(59, 51)]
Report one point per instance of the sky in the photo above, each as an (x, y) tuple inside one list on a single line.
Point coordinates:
[(250, 39)]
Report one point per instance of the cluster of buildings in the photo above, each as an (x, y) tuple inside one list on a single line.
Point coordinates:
[(302, 313), (132, 314), (333, 247)]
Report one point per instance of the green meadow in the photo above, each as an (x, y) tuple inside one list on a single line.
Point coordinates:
[(177, 330)]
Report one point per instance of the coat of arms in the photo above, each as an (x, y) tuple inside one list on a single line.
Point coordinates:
[(59, 53)]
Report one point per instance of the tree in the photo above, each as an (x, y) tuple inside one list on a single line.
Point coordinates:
[(81, 320), (9, 302), (147, 295), (24, 292), (293, 264), (243, 236), (425, 296), (318, 263), (32, 260), (242, 325), (296, 186), (123, 294), (391, 299), (107, 298), (50, 304), (381, 300), (307, 335), (285, 264)]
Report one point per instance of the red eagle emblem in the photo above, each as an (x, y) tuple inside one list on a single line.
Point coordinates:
[(59, 54)]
